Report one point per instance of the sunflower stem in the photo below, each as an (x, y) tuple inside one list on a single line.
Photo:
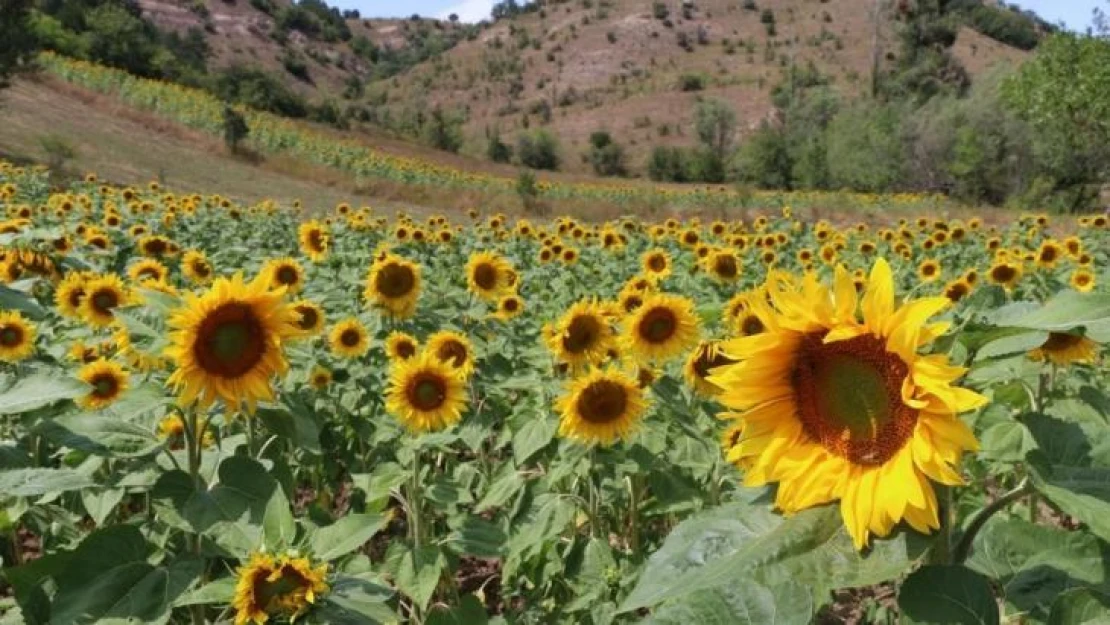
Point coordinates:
[(634, 488), (963, 549), (192, 452), (414, 501)]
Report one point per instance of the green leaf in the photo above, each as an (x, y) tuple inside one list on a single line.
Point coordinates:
[(947, 594), (1066, 311), (278, 527), (536, 433), (99, 502), (469, 611), (38, 390), (36, 482), (1012, 341), (346, 535), (355, 601), (750, 603), (97, 434), (1080, 607), (477, 537), (296, 426), (739, 542), (419, 572), (379, 484), (507, 484), (11, 299), (1082, 492), (1034, 563), (219, 591)]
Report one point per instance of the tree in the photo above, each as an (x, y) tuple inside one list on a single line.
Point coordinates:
[(17, 44), (1064, 94), (443, 131), (235, 128), (715, 125), (538, 150), (606, 156)]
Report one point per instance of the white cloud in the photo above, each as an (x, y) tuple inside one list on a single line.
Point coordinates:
[(470, 10)]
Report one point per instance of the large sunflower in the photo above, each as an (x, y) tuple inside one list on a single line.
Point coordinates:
[(103, 295), (349, 338), (281, 586), (487, 275), (582, 336), (425, 393), (839, 407), (600, 407), (1062, 348), (108, 381), (663, 327), (314, 240), (17, 336), (394, 284), (227, 342), (454, 349), (284, 272)]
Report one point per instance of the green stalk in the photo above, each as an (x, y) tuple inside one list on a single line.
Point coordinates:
[(964, 546), (192, 452)]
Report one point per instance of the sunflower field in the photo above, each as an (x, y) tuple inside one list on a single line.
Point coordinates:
[(212, 412)]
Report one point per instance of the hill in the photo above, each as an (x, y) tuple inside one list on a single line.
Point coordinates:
[(636, 68)]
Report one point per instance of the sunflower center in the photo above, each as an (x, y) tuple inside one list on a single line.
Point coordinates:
[(725, 266), (230, 341), (395, 280), (485, 276), (511, 305), (11, 336), (286, 275), (105, 386), (1059, 341), (309, 317), (406, 349), (267, 592), (657, 263), (849, 398), (582, 333), (427, 392), (1003, 273), (704, 365), (603, 401), (454, 352), (658, 325), (316, 240), (105, 300), (632, 302), (751, 325), (350, 338)]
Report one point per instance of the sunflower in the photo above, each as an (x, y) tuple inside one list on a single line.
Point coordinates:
[(487, 275), (454, 349), (394, 284), (1005, 273), (103, 295), (656, 264), (663, 327), (401, 346), (582, 336), (723, 265), (196, 267), (227, 342), (1082, 280), (700, 363), (1048, 254), (17, 336), (509, 306), (172, 430), (314, 240), (284, 586), (310, 317), (69, 294), (138, 354), (319, 378), (1061, 348), (284, 273), (349, 339), (108, 381), (600, 407), (928, 270), (956, 290), (838, 407), (425, 393), (147, 270)]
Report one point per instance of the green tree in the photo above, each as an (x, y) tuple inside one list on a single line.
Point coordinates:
[(443, 131), (538, 150), (1064, 94), (17, 43), (235, 128), (715, 126), (606, 156), (865, 150)]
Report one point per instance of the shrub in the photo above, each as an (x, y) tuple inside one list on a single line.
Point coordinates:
[(660, 11), (691, 82), (538, 150), (235, 128), (606, 156)]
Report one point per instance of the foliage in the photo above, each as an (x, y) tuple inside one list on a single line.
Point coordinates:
[(606, 156), (443, 130), (19, 44), (538, 150)]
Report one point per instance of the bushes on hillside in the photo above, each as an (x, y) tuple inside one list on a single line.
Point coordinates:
[(538, 150)]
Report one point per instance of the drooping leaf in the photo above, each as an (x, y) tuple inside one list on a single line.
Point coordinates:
[(749, 603), (346, 535), (36, 482), (1081, 606), (948, 595), (38, 390)]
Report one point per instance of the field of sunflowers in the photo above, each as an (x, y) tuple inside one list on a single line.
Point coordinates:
[(212, 412)]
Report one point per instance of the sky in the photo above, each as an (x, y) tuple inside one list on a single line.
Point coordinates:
[(1076, 14)]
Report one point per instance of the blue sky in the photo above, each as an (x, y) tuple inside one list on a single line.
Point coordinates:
[(1075, 13)]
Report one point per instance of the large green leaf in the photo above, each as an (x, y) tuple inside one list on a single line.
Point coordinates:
[(740, 541), (1035, 563), (748, 603), (219, 591), (346, 535), (11, 299), (35, 482), (536, 433), (477, 537), (468, 611), (279, 529), (355, 601), (418, 573), (298, 426), (38, 390), (1081, 607), (1080, 491), (97, 434), (1066, 311), (947, 595)]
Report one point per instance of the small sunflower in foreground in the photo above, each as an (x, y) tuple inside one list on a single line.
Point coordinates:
[(349, 338), (956, 290), (310, 317), (17, 337), (928, 270), (454, 349), (700, 364), (314, 240), (839, 407), (196, 268), (401, 346), (108, 381), (103, 295), (319, 378), (147, 270), (276, 586), (425, 393), (1005, 273), (663, 327), (509, 307), (487, 275), (723, 265), (1062, 348), (656, 264), (582, 336), (227, 343), (284, 272), (602, 406), (394, 284), (1082, 280)]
